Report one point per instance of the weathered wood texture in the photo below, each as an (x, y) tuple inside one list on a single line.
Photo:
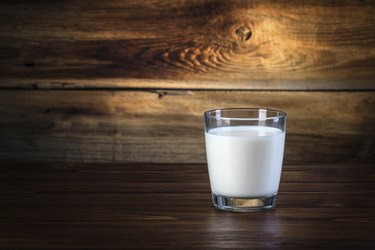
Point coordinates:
[(115, 206), (140, 126), (187, 44), (158, 46)]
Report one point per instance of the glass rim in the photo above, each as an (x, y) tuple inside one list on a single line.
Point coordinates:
[(281, 113)]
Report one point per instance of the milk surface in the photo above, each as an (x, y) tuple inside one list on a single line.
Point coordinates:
[(245, 161)]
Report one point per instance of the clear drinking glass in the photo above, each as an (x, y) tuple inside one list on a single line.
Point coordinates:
[(245, 149)]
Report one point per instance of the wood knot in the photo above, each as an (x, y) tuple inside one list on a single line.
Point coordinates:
[(244, 33), (29, 64), (161, 94)]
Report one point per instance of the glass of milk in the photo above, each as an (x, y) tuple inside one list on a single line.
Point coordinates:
[(245, 149)]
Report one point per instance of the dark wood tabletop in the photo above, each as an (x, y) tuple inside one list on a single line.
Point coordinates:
[(169, 206)]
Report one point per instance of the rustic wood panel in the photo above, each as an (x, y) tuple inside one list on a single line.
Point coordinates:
[(189, 44), (147, 206), (167, 126)]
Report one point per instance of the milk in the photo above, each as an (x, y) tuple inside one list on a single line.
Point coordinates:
[(244, 161)]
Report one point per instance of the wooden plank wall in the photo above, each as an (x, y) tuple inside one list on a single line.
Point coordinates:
[(128, 81)]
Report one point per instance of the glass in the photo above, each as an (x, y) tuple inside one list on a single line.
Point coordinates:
[(245, 149)]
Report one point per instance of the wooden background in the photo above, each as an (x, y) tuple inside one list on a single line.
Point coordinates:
[(128, 81)]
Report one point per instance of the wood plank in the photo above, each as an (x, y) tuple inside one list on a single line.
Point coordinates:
[(167, 126), (84, 206), (202, 44)]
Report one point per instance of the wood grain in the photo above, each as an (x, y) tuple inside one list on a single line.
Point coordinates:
[(113, 206), (187, 44), (167, 126)]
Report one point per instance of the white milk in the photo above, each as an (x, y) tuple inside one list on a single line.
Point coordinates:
[(245, 161)]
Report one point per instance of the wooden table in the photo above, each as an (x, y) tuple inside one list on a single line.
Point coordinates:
[(169, 206)]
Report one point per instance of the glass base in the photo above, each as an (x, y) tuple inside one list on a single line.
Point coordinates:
[(244, 204)]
